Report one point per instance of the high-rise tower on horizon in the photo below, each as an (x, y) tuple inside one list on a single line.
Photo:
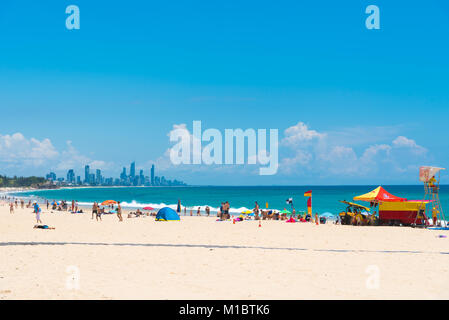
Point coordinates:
[(86, 174), (152, 175), (132, 170)]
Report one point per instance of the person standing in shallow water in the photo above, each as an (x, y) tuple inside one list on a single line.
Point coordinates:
[(119, 212)]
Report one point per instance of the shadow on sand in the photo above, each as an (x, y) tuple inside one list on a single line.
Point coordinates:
[(210, 246)]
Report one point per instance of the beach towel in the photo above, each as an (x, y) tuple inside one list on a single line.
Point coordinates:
[(291, 220)]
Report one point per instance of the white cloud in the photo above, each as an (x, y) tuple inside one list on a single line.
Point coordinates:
[(403, 142), (299, 135), (21, 155), (319, 153), (16, 151)]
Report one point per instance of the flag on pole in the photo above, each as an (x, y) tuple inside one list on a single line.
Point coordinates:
[(309, 206), (308, 193)]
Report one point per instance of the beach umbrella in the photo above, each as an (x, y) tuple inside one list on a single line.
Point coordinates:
[(247, 212), (108, 202), (284, 211), (148, 208)]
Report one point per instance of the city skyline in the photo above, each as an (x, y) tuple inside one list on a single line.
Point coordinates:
[(97, 179)]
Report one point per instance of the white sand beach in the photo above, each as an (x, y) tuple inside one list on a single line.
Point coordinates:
[(199, 258)]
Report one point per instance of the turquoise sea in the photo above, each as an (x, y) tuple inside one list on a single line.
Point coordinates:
[(325, 198)]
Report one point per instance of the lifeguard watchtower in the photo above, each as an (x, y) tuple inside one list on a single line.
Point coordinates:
[(430, 176)]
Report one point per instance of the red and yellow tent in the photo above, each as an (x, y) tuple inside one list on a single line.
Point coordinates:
[(379, 195)]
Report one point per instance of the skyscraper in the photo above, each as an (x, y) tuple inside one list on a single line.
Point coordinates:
[(86, 174), (141, 178), (132, 171), (70, 176), (152, 175), (123, 175), (98, 177)]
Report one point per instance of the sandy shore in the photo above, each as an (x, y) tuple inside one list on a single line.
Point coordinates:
[(199, 258)]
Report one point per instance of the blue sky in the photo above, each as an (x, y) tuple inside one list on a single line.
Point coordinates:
[(111, 92)]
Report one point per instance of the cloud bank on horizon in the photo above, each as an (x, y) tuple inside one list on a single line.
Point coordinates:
[(305, 155)]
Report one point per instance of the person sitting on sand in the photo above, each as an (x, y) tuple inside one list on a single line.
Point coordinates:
[(43, 227), (227, 207)]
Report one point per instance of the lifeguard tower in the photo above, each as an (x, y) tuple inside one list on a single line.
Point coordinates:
[(430, 176)]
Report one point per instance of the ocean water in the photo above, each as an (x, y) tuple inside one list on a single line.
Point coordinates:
[(325, 198)]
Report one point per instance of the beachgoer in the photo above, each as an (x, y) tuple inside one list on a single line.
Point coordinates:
[(119, 211), (207, 210), (256, 211), (94, 209), (435, 215), (198, 212), (98, 214), (43, 227), (11, 208), (37, 211), (221, 211)]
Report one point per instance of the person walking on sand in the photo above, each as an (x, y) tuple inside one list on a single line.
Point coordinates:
[(207, 210), (94, 209), (73, 205), (119, 211), (22, 203), (98, 214), (11, 207), (198, 212), (37, 211)]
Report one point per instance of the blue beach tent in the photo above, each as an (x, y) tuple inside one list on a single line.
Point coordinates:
[(167, 214)]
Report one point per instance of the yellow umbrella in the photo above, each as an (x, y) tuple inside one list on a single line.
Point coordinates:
[(247, 212)]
